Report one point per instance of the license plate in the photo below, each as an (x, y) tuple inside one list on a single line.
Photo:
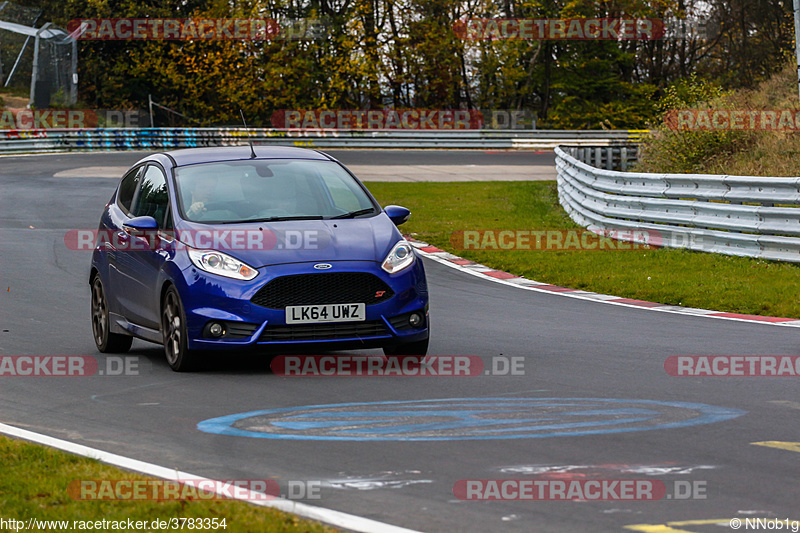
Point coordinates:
[(310, 314)]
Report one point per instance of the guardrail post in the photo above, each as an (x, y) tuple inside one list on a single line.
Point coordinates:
[(623, 159)]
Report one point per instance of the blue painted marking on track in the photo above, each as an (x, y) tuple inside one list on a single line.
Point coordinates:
[(466, 419)]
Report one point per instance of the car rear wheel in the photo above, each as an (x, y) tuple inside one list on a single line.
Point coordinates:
[(417, 350), (106, 341), (173, 330)]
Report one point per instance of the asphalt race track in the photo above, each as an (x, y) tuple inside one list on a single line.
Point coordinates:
[(592, 402)]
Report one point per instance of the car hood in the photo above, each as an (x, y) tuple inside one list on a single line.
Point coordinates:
[(295, 241)]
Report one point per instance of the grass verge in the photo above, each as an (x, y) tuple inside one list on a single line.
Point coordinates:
[(675, 277), (34, 483)]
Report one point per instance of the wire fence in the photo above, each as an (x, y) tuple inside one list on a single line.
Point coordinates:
[(40, 61)]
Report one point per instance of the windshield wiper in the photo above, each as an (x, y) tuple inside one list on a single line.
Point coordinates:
[(274, 219), (354, 214)]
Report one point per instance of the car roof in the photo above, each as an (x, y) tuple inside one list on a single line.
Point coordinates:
[(192, 156)]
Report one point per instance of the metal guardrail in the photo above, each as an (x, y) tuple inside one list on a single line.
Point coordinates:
[(26, 141), (735, 215), (608, 157)]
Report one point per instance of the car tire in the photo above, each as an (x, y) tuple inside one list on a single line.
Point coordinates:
[(106, 341), (174, 333), (418, 350)]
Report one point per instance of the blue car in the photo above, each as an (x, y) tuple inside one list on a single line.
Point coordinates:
[(253, 248)]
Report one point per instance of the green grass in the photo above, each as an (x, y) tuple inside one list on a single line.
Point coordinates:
[(34, 481), (675, 277)]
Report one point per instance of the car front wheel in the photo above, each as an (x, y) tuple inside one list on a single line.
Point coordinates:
[(106, 341), (173, 330)]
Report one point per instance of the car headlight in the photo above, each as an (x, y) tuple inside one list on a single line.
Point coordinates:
[(221, 264), (401, 256)]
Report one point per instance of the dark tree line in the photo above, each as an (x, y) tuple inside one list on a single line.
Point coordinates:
[(406, 54)]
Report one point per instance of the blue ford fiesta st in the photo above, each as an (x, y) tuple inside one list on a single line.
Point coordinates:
[(243, 248)]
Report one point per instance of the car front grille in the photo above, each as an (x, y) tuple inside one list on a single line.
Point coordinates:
[(319, 332), (323, 288)]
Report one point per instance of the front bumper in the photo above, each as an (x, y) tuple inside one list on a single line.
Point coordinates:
[(208, 298)]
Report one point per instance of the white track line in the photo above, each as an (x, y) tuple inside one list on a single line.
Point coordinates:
[(320, 514), (478, 270)]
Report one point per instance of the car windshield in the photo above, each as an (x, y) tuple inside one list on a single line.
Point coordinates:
[(264, 190)]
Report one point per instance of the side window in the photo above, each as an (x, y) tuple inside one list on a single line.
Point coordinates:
[(127, 188), (152, 198), (345, 193)]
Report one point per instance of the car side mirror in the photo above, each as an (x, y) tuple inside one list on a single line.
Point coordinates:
[(141, 223), (397, 214)]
